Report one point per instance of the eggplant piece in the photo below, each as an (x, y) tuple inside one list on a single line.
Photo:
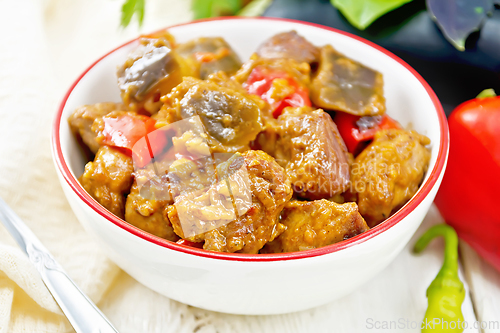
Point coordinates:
[(289, 45), (151, 71), (410, 33), (231, 118), (211, 54), (343, 84)]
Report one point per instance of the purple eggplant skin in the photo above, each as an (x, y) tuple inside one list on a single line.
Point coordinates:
[(410, 33), (457, 19)]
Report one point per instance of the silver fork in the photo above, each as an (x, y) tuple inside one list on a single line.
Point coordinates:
[(81, 312)]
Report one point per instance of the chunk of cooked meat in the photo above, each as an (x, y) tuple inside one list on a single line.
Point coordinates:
[(387, 173), (308, 145), (248, 209), (289, 45), (151, 71), (82, 119), (231, 118), (313, 224), (346, 85), (185, 167), (108, 178), (210, 55), (147, 214)]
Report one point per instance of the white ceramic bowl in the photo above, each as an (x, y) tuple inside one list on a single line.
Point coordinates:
[(256, 284)]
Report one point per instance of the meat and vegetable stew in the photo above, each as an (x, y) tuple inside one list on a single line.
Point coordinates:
[(289, 151)]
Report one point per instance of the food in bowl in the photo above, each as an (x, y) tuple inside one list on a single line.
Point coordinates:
[(238, 283), (252, 157)]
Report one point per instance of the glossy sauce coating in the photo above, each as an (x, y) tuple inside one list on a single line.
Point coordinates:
[(313, 224), (221, 156), (108, 178), (388, 172), (307, 144), (147, 214)]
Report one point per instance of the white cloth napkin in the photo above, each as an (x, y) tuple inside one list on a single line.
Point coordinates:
[(44, 45)]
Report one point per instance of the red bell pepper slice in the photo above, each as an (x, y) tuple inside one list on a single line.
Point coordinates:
[(150, 146), (190, 244), (126, 130), (357, 131), (260, 83), (468, 196)]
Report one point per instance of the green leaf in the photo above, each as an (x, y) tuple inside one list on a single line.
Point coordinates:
[(131, 7), (213, 8), (201, 8), (255, 8), (362, 13), (139, 9)]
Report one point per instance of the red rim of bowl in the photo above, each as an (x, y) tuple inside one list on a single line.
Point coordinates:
[(387, 224)]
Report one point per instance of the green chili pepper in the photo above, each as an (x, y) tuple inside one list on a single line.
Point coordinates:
[(446, 293)]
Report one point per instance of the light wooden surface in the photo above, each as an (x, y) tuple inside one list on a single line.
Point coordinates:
[(484, 282)]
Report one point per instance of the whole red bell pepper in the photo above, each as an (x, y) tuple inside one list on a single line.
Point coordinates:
[(261, 82), (469, 193)]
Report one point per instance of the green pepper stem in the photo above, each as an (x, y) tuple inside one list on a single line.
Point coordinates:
[(451, 247), (487, 93)]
